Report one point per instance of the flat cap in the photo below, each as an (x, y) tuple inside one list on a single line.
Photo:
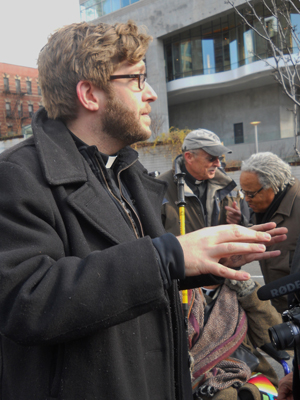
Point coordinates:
[(206, 140)]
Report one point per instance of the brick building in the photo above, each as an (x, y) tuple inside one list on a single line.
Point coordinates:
[(20, 97)]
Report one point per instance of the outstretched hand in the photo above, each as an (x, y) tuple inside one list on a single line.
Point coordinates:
[(203, 249), (277, 235), (234, 214)]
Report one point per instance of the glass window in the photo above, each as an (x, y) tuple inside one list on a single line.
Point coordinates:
[(18, 85), (8, 109), (197, 60), (249, 46), (30, 110), (28, 87), (169, 63), (106, 7), (20, 110), (6, 84), (238, 133), (295, 21), (226, 43), (125, 3), (208, 55), (186, 59), (115, 5), (39, 90)]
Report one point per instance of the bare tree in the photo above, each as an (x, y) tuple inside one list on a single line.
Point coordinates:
[(283, 45), (157, 121)]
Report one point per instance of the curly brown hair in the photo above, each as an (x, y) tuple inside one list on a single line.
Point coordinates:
[(83, 51)]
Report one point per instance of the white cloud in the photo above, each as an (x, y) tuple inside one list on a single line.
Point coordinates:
[(26, 24)]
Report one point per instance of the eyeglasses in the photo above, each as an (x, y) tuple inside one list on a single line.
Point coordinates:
[(251, 195), (214, 158), (142, 78)]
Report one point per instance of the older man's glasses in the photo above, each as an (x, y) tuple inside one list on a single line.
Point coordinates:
[(251, 195), (142, 78)]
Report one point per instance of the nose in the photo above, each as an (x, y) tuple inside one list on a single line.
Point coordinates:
[(149, 94), (217, 162)]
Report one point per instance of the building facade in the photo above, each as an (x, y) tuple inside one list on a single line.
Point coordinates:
[(20, 97), (208, 70)]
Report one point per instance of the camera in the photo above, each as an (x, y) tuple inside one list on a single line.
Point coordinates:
[(287, 335)]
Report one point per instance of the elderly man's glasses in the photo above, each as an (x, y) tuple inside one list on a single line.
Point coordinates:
[(251, 195), (142, 78)]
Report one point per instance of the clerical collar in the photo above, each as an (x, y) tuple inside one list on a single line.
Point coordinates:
[(189, 178), (107, 160)]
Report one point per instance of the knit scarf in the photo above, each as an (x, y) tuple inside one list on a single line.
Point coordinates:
[(212, 344)]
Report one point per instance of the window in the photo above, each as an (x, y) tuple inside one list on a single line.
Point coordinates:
[(28, 87), (6, 84), (8, 109), (39, 90), (18, 85), (30, 110), (20, 110), (238, 133)]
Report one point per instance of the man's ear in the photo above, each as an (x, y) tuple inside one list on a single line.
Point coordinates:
[(187, 156), (88, 95)]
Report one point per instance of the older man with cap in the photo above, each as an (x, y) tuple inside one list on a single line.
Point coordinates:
[(209, 195)]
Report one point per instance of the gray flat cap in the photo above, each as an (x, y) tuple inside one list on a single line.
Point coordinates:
[(206, 140)]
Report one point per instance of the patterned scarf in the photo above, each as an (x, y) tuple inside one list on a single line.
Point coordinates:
[(212, 344)]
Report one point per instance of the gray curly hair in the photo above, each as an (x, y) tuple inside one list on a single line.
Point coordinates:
[(272, 172)]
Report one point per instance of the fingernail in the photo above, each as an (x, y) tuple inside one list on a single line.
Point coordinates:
[(267, 236), (246, 276), (262, 247)]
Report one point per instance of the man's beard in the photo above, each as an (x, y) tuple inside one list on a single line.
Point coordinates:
[(119, 122)]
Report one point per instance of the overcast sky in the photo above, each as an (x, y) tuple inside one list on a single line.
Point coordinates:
[(26, 24)]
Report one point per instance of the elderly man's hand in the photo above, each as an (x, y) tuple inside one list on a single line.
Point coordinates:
[(277, 235), (234, 214), (285, 389), (204, 248)]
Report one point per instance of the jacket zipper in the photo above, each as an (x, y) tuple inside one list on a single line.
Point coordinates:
[(124, 199), (132, 223)]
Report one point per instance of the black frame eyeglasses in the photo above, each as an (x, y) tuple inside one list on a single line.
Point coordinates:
[(251, 195), (142, 78)]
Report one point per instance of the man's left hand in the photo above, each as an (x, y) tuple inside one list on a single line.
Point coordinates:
[(277, 235)]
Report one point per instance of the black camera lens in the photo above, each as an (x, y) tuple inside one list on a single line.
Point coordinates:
[(284, 336)]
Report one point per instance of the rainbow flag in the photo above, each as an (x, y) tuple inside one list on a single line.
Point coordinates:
[(267, 389)]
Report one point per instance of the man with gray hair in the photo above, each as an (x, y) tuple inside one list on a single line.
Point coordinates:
[(208, 190), (273, 194)]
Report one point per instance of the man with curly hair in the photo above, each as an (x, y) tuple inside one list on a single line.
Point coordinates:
[(89, 308)]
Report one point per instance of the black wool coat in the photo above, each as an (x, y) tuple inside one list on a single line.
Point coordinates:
[(83, 311)]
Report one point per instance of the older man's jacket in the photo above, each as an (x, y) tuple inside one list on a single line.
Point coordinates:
[(221, 192), (83, 311)]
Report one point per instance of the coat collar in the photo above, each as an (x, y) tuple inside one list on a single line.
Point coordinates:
[(60, 159), (286, 205)]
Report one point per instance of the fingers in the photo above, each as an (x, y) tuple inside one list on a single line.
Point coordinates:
[(230, 249), (236, 233), (261, 256), (264, 227), (218, 270)]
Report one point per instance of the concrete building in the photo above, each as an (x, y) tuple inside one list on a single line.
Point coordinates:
[(20, 97), (203, 65)]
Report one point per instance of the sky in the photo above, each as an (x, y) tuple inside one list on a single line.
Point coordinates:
[(26, 24)]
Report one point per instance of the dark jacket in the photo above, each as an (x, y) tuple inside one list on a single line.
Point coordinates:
[(287, 215), (221, 192), (83, 311)]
